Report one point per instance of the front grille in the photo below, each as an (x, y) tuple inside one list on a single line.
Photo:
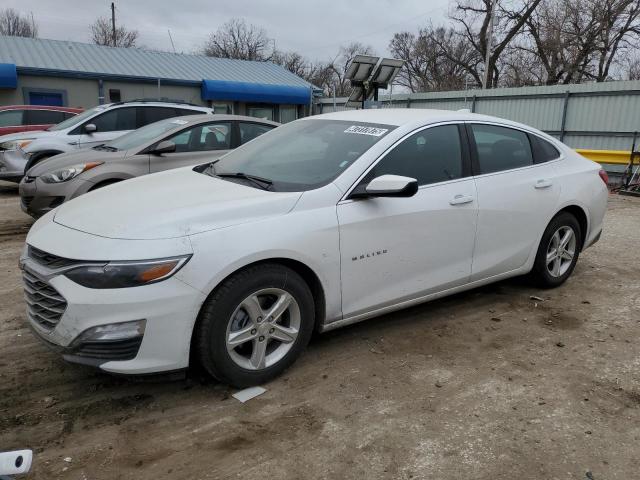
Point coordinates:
[(117, 350), (45, 305), (49, 260)]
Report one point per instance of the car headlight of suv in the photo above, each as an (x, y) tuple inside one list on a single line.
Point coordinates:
[(67, 173), (16, 144), (126, 274)]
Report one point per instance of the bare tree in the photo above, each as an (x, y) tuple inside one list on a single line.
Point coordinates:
[(102, 34), (292, 61), (15, 25), (237, 39), (472, 18), (578, 40), (427, 66)]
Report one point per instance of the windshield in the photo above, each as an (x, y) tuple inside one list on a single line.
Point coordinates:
[(73, 121), (303, 155), (145, 134)]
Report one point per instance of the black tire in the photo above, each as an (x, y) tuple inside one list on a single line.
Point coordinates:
[(540, 272), (210, 335)]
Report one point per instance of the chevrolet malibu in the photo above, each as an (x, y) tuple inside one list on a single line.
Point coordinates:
[(320, 223)]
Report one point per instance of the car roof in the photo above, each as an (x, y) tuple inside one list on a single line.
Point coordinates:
[(41, 107), (147, 103), (408, 116), (225, 117)]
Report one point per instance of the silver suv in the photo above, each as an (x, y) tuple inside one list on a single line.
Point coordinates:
[(92, 127)]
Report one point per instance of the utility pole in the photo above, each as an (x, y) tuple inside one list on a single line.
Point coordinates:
[(113, 23), (487, 70)]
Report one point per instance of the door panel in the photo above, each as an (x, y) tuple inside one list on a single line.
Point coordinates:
[(395, 249), (514, 204)]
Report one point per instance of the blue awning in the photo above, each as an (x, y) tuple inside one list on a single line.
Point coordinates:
[(8, 75), (255, 92)]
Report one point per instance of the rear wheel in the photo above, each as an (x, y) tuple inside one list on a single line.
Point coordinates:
[(254, 325), (558, 251)]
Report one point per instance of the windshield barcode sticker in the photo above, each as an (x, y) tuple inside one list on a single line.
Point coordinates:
[(362, 130)]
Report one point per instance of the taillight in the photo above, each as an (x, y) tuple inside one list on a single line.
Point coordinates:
[(604, 176)]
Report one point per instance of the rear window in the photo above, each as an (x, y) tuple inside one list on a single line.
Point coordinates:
[(10, 118), (543, 151)]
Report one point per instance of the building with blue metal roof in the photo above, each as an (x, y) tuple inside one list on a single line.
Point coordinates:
[(55, 72)]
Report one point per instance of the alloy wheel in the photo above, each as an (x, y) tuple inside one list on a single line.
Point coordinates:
[(561, 250), (263, 328)]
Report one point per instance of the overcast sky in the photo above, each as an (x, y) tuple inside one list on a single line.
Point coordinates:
[(314, 28)]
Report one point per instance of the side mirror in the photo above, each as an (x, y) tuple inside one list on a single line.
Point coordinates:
[(166, 146), (90, 128), (389, 186)]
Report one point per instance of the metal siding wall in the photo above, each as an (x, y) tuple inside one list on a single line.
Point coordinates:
[(542, 113), (616, 111)]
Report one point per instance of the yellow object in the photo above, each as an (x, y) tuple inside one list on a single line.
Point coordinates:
[(619, 157)]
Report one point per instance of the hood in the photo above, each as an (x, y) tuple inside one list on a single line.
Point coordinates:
[(170, 204), (74, 158), (23, 135)]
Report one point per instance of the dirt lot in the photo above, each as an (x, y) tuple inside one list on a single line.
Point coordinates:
[(489, 384)]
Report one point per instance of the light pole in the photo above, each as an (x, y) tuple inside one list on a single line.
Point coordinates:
[(487, 70)]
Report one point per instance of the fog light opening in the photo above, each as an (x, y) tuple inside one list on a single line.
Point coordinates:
[(113, 332)]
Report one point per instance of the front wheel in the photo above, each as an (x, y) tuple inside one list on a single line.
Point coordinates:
[(254, 325), (558, 251)]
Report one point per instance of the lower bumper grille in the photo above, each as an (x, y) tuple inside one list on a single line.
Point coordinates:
[(45, 305), (118, 350)]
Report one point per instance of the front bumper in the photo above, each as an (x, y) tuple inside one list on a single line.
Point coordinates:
[(61, 311), (38, 197), (12, 165)]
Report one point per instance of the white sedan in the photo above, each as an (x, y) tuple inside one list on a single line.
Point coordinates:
[(323, 222)]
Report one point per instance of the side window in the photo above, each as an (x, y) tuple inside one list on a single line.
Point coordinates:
[(115, 120), (543, 151), (501, 148), (249, 131), (211, 136), (68, 115), (11, 118), (155, 114), (44, 117), (430, 156)]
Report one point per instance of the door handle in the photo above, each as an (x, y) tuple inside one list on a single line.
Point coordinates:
[(461, 200), (543, 183)]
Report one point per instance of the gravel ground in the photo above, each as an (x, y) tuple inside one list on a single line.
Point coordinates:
[(489, 384)]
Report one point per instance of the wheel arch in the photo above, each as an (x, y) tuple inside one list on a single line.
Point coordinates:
[(307, 273), (581, 216)]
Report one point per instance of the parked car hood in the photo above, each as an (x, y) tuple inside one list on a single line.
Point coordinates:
[(22, 135), (74, 158), (170, 204)]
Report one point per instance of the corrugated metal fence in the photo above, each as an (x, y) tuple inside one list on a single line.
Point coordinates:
[(599, 116)]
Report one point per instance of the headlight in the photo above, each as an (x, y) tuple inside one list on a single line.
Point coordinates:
[(67, 173), (16, 144), (126, 274)]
